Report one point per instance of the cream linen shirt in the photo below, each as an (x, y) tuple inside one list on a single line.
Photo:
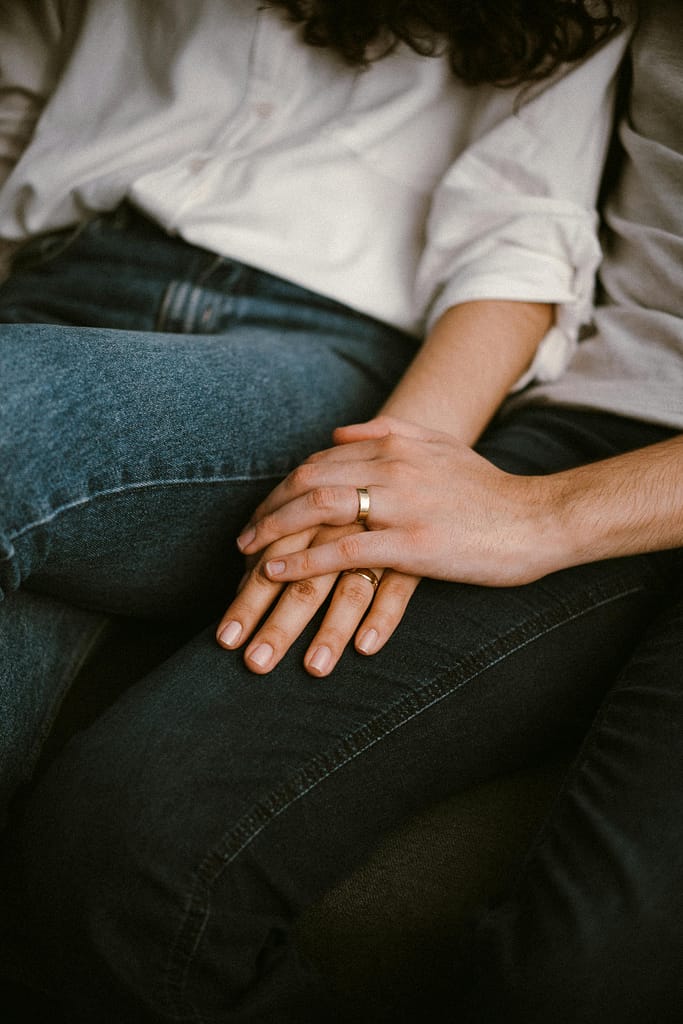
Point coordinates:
[(397, 190)]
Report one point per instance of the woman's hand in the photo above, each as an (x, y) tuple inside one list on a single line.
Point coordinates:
[(356, 609), (437, 509)]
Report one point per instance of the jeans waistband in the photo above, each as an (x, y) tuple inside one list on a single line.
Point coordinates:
[(125, 238)]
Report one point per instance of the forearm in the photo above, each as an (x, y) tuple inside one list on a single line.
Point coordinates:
[(468, 364), (625, 505)]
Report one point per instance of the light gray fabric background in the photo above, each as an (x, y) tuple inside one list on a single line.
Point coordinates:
[(633, 364)]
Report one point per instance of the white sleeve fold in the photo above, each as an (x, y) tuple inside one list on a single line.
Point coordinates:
[(29, 33), (514, 216), (28, 36)]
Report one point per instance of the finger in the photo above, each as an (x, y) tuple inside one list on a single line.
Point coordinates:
[(333, 466), (352, 432), (322, 506), (296, 607), (353, 595), (367, 547), (386, 611), (255, 594), (378, 427)]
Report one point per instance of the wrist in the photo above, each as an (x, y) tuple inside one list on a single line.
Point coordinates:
[(550, 538)]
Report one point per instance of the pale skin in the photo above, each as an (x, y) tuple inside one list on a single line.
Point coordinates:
[(473, 523), (455, 384)]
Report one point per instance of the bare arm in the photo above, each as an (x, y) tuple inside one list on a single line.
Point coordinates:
[(467, 365), (622, 506), (456, 382), (473, 523)]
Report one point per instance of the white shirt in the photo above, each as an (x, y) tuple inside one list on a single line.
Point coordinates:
[(397, 190)]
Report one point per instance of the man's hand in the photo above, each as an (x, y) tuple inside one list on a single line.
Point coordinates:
[(437, 509)]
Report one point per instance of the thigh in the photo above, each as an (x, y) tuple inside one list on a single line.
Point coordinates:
[(593, 930), (183, 833), (131, 460), (150, 394)]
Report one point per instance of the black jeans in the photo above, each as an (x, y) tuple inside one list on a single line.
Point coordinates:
[(162, 857)]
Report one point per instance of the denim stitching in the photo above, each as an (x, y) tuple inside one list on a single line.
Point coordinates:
[(124, 488), (321, 767)]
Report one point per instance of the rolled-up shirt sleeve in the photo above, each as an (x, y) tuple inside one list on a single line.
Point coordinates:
[(514, 217), (29, 36)]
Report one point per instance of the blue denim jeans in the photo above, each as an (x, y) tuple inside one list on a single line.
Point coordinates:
[(153, 435), (161, 859)]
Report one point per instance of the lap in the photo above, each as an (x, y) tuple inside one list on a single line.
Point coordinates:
[(133, 455), (227, 803), (592, 930), (186, 829)]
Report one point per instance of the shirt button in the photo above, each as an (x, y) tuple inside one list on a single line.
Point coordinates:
[(263, 109), (197, 165)]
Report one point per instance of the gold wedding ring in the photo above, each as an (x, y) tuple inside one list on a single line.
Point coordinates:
[(363, 505), (367, 574)]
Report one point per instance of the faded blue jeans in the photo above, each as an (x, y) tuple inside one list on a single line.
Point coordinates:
[(160, 860)]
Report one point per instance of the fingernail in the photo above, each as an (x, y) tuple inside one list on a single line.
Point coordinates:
[(261, 655), (367, 643), (321, 660), (245, 539), (231, 633), (275, 568)]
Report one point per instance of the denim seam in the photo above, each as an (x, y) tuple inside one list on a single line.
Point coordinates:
[(321, 767), (13, 535)]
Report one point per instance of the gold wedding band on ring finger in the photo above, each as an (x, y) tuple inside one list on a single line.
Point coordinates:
[(363, 505), (367, 574)]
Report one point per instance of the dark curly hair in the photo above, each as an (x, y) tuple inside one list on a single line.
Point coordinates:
[(486, 41)]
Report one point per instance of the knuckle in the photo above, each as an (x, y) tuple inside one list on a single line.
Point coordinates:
[(321, 498), (336, 639), (300, 478), (400, 455), (266, 526), (382, 622), (276, 635), (349, 546), (305, 591), (355, 591), (307, 564), (258, 575)]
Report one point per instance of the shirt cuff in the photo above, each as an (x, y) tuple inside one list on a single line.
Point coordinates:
[(562, 273)]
